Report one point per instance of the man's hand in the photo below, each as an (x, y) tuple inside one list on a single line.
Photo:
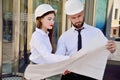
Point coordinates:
[(111, 46)]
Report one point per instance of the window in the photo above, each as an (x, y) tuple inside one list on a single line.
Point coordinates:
[(114, 31), (116, 14)]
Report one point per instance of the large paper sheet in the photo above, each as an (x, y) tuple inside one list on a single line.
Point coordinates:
[(89, 61)]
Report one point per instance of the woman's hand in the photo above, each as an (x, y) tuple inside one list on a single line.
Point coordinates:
[(66, 72)]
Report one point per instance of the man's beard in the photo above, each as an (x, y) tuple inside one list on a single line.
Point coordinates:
[(79, 25)]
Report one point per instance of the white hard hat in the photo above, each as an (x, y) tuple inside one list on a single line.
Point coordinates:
[(42, 9), (73, 7)]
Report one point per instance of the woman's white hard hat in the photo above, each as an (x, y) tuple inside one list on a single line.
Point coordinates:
[(42, 9), (73, 7)]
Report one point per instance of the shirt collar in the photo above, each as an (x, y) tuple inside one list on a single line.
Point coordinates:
[(41, 31), (84, 26)]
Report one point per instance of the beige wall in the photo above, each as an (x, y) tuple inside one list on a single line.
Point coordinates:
[(30, 23), (115, 23)]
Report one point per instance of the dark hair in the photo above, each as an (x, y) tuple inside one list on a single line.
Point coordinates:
[(39, 24)]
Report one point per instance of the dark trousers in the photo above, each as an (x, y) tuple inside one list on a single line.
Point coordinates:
[(74, 76)]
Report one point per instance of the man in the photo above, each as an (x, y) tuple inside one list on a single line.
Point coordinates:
[(69, 43)]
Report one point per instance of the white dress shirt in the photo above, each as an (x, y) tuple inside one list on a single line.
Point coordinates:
[(67, 43), (41, 49)]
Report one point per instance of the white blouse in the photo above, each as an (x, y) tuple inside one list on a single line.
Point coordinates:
[(41, 49)]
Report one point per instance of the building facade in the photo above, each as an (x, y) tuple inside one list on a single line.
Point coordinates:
[(17, 24), (115, 27)]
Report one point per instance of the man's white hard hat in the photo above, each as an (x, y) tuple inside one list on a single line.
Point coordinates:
[(42, 9), (73, 7)]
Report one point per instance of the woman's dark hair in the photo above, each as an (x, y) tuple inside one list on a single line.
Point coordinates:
[(39, 24)]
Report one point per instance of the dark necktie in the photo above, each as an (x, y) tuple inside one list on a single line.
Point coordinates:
[(79, 39)]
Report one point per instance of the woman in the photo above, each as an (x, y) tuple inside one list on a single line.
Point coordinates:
[(41, 41)]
